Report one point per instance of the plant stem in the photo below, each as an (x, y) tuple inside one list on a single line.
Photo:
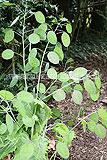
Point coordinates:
[(54, 154), (13, 62), (58, 90), (82, 120), (32, 129), (24, 51), (41, 69), (61, 88), (49, 87), (13, 65)]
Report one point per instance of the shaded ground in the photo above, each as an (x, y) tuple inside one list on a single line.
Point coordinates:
[(87, 146)]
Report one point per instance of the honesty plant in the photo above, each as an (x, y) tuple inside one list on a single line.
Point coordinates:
[(23, 131)]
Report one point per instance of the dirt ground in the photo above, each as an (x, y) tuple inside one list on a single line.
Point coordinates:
[(87, 146)]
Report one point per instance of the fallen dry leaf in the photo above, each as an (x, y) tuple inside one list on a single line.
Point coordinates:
[(51, 144), (5, 158)]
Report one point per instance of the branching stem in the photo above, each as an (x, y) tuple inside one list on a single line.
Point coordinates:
[(41, 69)]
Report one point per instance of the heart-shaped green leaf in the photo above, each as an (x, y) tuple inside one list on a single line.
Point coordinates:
[(26, 151), (33, 52), (58, 45), (20, 108), (53, 88), (36, 70), (25, 97), (98, 82), (94, 117), (10, 124), (104, 122), (34, 62), (78, 87), (28, 67), (43, 26), (14, 81), (3, 128), (41, 33), (56, 112), (95, 97), (29, 122), (42, 88), (62, 129), (6, 95)]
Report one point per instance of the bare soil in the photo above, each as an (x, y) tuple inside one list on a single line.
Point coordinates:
[(86, 146)]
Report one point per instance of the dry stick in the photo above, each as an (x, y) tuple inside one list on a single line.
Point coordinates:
[(13, 65)]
